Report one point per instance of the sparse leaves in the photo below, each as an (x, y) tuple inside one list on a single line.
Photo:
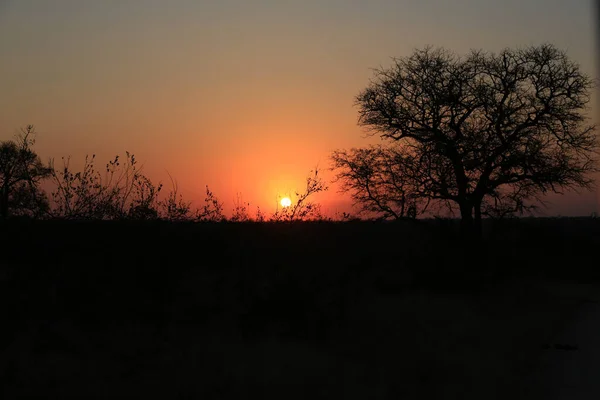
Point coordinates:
[(123, 191), (212, 209), (241, 210)]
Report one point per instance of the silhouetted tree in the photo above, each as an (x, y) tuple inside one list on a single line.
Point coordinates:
[(27, 200), (21, 172), (382, 181), (486, 132)]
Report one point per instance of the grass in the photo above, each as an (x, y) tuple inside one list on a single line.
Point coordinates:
[(358, 309)]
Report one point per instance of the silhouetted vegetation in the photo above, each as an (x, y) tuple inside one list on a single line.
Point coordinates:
[(375, 177), (121, 191), (486, 134), (302, 208), (112, 286), (21, 171)]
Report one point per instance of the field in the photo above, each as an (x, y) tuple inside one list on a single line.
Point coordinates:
[(290, 310)]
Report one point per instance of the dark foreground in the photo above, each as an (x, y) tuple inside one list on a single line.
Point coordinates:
[(309, 310)]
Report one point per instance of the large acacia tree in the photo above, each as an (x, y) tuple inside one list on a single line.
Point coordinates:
[(479, 133)]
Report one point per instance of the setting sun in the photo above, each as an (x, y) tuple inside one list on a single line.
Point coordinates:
[(286, 202)]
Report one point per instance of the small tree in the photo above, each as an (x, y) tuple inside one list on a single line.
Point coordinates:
[(21, 172), (382, 181), (488, 132)]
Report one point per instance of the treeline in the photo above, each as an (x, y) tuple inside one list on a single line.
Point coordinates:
[(118, 191)]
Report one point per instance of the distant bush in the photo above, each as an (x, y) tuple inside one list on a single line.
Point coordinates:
[(122, 192)]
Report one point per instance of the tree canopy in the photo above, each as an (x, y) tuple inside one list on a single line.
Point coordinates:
[(484, 133)]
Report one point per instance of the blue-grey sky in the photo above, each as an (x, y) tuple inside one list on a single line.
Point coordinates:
[(243, 95)]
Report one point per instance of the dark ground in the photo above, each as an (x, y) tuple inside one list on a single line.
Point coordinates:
[(354, 310)]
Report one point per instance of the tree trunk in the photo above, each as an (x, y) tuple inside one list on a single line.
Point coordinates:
[(466, 220), (477, 222), (4, 203), (473, 269)]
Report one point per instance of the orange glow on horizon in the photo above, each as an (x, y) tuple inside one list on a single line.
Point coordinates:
[(245, 98)]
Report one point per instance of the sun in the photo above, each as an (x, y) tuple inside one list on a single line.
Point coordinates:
[(286, 202)]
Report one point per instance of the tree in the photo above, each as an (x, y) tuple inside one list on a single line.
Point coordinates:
[(376, 178), (486, 132), (27, 200), (21, 172)]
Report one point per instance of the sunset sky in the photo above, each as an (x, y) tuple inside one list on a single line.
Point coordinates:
[(241, 95)]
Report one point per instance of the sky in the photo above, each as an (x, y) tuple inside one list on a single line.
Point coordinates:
[(245, 96)]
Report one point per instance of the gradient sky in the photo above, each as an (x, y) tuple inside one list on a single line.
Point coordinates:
[(243, 95)]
